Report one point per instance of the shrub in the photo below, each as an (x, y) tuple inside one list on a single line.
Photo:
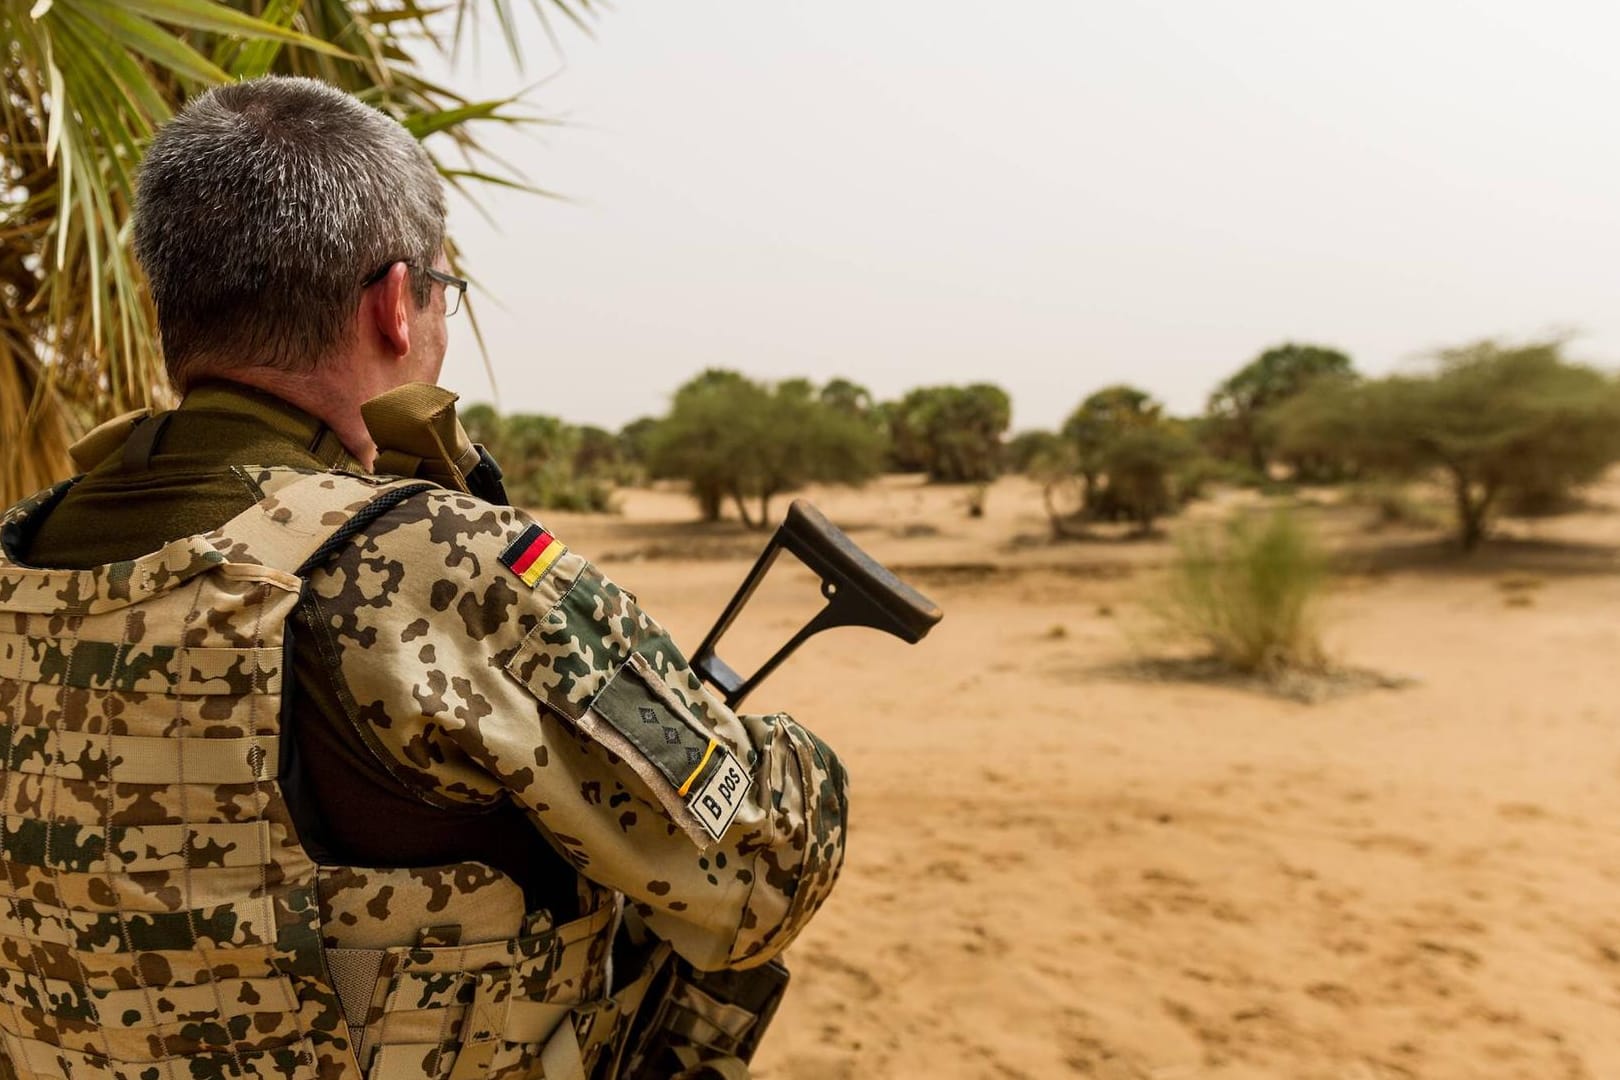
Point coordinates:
[(1249, 592)]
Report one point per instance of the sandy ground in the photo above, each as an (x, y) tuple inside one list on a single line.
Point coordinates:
[(1058, 870)]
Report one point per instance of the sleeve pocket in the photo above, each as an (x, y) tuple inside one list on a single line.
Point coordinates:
[(629, 712)]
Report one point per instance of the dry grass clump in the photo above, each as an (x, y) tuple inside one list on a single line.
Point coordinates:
[(1248, 591)]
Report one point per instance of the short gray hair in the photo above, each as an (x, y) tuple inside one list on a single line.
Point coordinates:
[(262, 207)]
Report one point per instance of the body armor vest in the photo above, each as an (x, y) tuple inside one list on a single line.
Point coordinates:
[(159, 917)]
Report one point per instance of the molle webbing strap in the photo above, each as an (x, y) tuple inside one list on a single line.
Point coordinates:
[(85, 757), (135, 667)]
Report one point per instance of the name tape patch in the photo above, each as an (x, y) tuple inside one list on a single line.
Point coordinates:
[(532, 554), (717, 800)]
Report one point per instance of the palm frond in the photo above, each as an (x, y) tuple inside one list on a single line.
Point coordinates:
[(85, 83)]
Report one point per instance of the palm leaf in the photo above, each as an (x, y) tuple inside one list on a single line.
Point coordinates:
[(83, 86)]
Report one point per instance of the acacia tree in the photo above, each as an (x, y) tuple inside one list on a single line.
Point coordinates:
[(953, 433), (1492, 419), (83, 86), (733, 438), (1240, 409)]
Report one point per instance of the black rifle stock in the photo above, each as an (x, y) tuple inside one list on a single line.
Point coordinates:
[(859, 591)]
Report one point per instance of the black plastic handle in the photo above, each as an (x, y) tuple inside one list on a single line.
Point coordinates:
[(885, 602), (860, 591)]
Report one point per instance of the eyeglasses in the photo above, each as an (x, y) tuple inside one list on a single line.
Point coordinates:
[(449, 281)]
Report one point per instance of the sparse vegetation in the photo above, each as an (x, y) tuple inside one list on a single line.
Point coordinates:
[(1249, 592)]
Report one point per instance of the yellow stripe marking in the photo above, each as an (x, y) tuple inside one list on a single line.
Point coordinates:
[(544, 562), (707, 754)]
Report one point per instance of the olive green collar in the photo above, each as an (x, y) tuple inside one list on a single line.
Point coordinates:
[(280, 416)]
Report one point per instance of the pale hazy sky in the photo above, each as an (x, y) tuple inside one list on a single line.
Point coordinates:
[(1052, 195)]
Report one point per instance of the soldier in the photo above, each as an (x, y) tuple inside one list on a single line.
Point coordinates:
[(326, 774)]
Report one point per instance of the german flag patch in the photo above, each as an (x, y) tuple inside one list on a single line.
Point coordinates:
[(532, 554)]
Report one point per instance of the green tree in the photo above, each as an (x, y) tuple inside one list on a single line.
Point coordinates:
[(635, 438), (732, 438), (1130, 457), (1240, 409), (1098, 424), (83, 86), (547, 463), (600, 454), (1028, 450), (953, 433), (701, 437), (847, 397), (1141, 465), (1492, 419), (482, 424)]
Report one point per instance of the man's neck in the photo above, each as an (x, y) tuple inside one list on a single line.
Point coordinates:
[(335, 405)]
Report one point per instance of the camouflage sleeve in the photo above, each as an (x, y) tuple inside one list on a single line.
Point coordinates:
[(482, 660)]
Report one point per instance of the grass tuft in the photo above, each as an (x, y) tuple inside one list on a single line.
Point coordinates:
[(1248, 591)]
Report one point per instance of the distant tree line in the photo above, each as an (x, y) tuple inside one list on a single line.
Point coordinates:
[(1501, 425), (740, 443)]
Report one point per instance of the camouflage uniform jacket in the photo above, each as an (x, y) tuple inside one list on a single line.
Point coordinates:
[(486, 663), (568, 698)]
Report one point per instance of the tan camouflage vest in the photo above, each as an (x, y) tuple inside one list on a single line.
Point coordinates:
[(160, 920)]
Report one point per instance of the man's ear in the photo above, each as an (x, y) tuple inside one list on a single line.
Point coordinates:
[(389, 305)]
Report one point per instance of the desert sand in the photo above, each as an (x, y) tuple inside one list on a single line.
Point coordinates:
[(1058, 869)]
